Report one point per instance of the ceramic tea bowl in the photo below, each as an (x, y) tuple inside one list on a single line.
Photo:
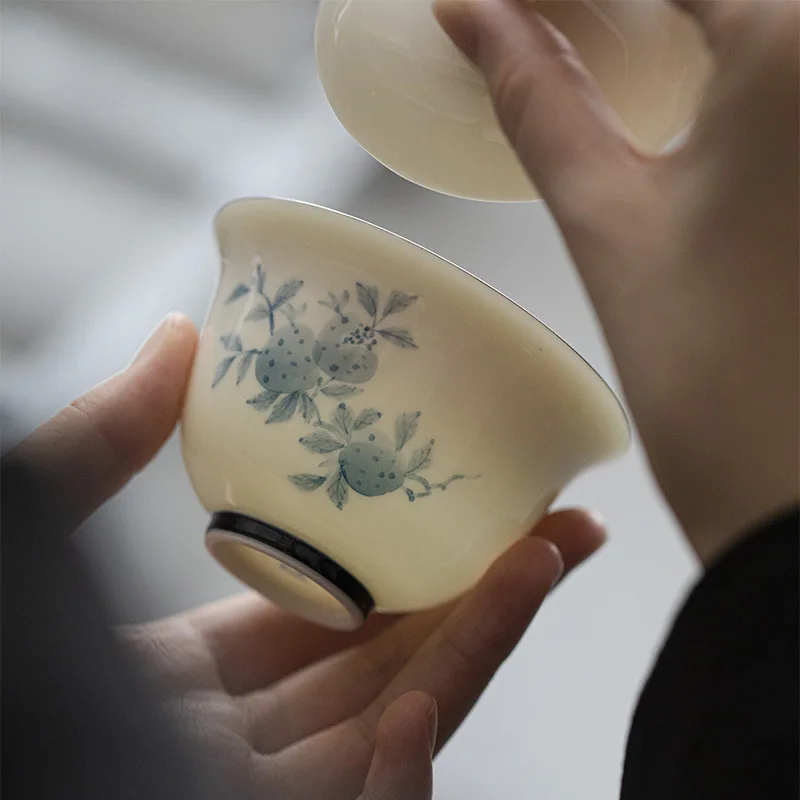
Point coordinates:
[(409, 97), (370, 426)]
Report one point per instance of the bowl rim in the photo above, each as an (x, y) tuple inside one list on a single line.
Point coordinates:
[(385, 232)]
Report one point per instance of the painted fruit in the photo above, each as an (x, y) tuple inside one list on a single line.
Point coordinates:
[(287, 363), (345, 349), (371, 466)]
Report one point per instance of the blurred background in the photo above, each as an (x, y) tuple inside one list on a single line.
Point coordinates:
[(125, 125)]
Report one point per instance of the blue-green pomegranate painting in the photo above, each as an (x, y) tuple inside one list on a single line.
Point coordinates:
[(301, 371)]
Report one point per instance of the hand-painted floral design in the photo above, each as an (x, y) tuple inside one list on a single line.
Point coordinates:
[(346, 348), (265, 309), (365, 460), (296, 366)]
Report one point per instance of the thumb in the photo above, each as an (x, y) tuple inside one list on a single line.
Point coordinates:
[(548, 104), (92, 448), (401, 766)]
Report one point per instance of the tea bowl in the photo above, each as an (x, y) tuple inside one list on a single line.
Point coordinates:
[(370, 426), (410, 98)]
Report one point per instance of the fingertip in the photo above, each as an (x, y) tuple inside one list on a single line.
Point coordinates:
[(138, 408), (183, 326), (406, 717), (174, 336), (160, 371), (184, 338), (591, 523), (418, 707), (577, 533), (401, 765), (598, 519), (458, 21), (559, 543), (597, 531), (527, 569)]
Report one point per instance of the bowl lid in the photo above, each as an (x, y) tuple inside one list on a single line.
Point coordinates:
[(405, 93), (411, 99)]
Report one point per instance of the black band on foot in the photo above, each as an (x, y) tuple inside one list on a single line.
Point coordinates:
[(312, 563)]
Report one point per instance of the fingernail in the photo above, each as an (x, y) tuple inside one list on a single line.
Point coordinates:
[(457, 18), (154, 341), (433, 725), (560, 568), (598, 519)]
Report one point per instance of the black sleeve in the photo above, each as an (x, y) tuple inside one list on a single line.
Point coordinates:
[(718, 717)]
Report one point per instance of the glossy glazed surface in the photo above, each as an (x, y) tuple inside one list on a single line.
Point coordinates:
[(415, 471), (404, 92)]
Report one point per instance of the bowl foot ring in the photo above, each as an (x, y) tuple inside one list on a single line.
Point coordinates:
[(288, 570)]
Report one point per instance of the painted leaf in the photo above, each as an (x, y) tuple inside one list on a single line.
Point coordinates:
[(232, 342), (326, 304), (345, 297), (308, 407), (341, 390), (399, 337), (421, 457), (240, 291), (286, 293), (259, 312), (307, 482), (398, 301), (343, 418), (222, 369), (244, 365), (369, 416), (321, 442), (368, 297), (315, 409), (338, 491), (300, 311), (261, 402), (284, 409), (405, 428), (334, 304)]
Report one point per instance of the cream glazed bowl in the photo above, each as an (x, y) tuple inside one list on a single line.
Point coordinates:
[(370, 426)]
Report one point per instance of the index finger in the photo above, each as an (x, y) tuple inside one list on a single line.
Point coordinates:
[(552, 110)]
